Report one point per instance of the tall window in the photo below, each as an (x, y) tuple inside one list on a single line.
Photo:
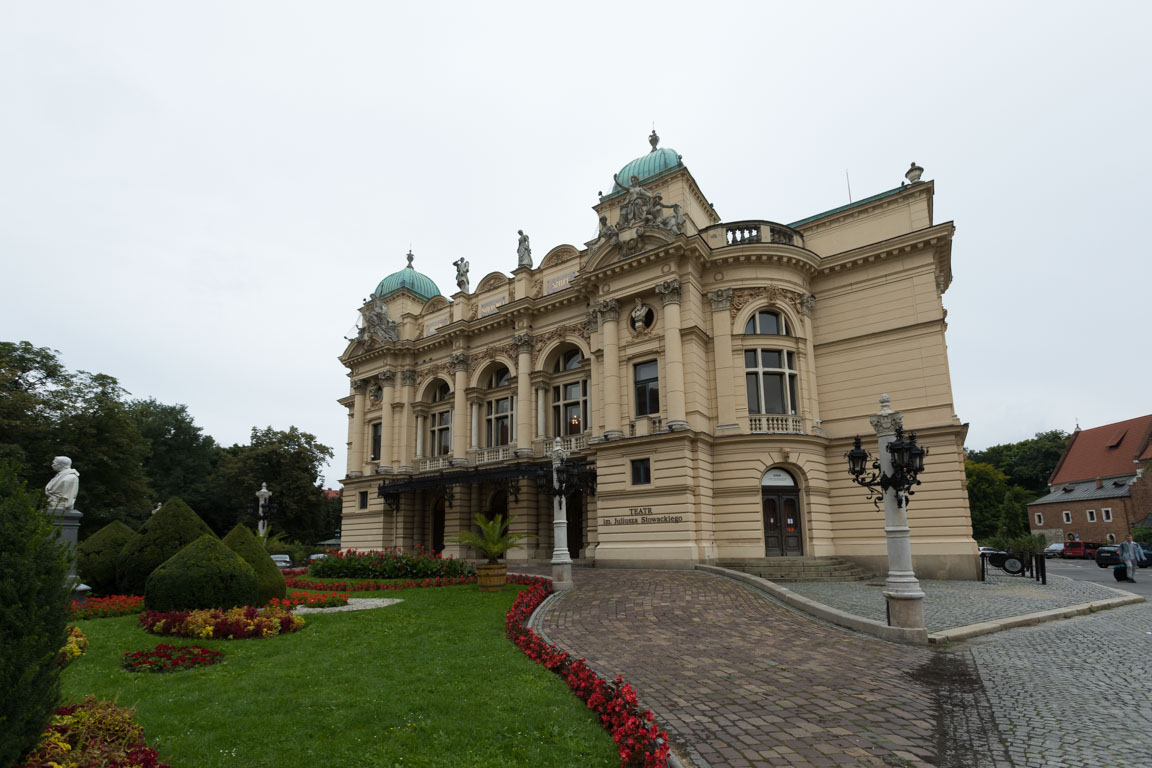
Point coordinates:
[(770, 377), (440, 422), (1039, 518), (376, 441), (498, 419), (1067, 516), (647, 377), (569, 395), (766, 322), (1091, 514), (1107, 514)]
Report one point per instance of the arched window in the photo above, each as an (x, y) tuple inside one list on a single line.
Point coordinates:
[(498, 421), (440, 421), (766, 322), (770, 377), (569, 394)]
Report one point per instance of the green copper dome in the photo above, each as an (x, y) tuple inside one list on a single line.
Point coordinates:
[(656, 162), (408, 278)]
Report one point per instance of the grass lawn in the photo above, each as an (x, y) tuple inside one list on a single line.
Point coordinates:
[(431, 681)]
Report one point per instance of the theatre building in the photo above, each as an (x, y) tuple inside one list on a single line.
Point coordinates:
[(704, 378)]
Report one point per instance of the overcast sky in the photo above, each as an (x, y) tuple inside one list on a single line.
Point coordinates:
[(196, 197)]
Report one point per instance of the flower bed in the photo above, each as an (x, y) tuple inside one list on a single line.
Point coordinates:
[(389, 564), (90, 734), (74, 647), (234, 624), (171, 658), (104, 607), (298, 582), (311, 601), (640, 741)]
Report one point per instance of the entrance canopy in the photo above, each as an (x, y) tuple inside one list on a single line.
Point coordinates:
[(574, 476)]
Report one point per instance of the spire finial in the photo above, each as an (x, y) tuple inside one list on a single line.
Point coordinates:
[(653, 139), (410, 257)]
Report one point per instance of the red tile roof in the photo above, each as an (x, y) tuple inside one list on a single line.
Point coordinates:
[(1107, 451)]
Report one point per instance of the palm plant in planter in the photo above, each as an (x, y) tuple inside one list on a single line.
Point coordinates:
[(493, 541)]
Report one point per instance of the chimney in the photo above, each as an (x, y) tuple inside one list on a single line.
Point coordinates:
[(1099, 483)]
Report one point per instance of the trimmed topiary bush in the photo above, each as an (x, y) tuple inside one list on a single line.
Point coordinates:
[(173, 527), (269, 581), (205, 574), (96, 558), (35, 595)]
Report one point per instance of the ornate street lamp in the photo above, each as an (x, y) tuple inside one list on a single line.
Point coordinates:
[(561, 560), (895, 473), (265, 512)]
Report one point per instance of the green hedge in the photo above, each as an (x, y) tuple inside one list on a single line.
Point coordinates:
[(269, 580), (35, 596), (388, 564), (204, 574), (173, 527), (96, 559)]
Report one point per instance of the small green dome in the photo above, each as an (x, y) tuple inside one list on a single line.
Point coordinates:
[(656, 162), (408, 278)]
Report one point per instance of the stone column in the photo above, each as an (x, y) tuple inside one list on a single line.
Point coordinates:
[(901, 588), (356, 431), (421, 419), (388, 387), (460, 410), (723, 375), (542, 412), (811, 396), (407, 383), (475, 404), (669, 291), (523, 393), (610, 314)]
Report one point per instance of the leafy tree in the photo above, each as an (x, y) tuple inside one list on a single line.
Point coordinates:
[(986, 488), (33, 385), (290, 463), (181, 458), (1028, 463), (34, 598)]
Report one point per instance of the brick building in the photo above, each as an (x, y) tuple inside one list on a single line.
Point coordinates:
[(1099, 490)]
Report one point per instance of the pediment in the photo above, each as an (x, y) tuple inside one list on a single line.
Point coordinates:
[(559, 255), (626, 244), (492, 281), (433, 304)]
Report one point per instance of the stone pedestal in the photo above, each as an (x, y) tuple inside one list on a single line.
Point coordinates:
[(69, 523)]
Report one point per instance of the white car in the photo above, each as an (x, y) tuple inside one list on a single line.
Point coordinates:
[(282, 561)]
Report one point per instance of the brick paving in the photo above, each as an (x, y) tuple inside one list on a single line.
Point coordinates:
[(739, 681)]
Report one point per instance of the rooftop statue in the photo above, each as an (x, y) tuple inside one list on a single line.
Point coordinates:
[(636, 206), (62, 489), (375, 325), (461, 265), (523, 251)]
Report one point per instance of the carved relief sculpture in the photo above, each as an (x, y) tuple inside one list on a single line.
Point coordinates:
[(375, 325), (459, 361), (721, 299), (669, 291), (408, 378), (609, 309)]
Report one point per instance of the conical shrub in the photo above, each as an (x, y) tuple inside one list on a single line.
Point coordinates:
[(204, 574), (97, 556), (269, 580), (173, 527)]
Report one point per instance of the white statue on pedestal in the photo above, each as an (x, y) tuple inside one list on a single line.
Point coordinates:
[(61, 490)]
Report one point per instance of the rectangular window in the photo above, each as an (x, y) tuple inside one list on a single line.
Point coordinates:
[(1039, 518), (1091, 513), (376, 441), (641, 472), (1067, 516), (647, 389), (1107, 512), (363, 499)]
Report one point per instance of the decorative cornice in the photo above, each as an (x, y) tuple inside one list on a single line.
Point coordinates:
[(721, 299), (774, 295)]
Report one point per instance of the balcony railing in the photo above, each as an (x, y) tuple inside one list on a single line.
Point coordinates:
[(489, 455), (570, 444), (436, 462), (745, 232), (766, 425)]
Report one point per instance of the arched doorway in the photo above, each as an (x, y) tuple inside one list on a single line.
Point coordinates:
[(575, 515), (780, 501), (438, 526)]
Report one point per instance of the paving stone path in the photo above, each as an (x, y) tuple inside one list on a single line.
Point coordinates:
[(739, 681)]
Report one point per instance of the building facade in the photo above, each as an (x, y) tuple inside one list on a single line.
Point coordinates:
[(704, 380), (1099, 490)]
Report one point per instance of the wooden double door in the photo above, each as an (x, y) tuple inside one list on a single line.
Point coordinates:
[(782, 530)]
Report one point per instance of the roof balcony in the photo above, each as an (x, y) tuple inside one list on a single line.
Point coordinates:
[(754, 231)]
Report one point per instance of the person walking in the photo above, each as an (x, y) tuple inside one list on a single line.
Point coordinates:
[(1130, 553)]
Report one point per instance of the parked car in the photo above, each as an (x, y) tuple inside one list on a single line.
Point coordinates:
[(317, 556), (1054, 550), (1082, 549), (991, 551), (283, 562), (1106, 556)]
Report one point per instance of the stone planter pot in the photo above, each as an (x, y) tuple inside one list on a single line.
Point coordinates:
[(491, 578)]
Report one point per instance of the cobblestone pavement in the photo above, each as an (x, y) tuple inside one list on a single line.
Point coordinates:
[(1072, 693), (952, 604), (740, 681)]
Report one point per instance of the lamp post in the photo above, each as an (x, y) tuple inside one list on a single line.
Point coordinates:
[(895, 473), (262, 520), (561, 560)]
